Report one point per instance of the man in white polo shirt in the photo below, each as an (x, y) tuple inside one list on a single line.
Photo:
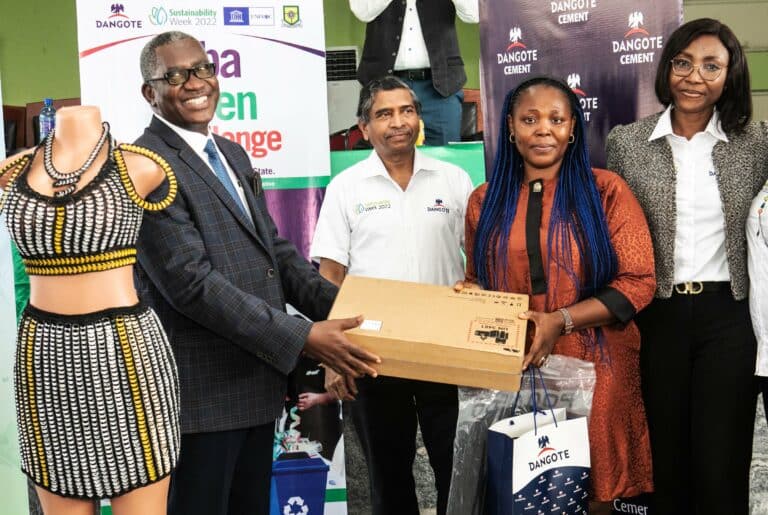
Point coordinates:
[(396, 215)]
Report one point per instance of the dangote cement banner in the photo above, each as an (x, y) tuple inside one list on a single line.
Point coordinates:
[(270, 62), (606, 50)]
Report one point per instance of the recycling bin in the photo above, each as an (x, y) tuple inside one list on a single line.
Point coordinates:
[(298, 484)]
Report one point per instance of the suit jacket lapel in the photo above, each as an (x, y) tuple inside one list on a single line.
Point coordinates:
[(656, 181), (239, 162), (664, 166), (199, 167)]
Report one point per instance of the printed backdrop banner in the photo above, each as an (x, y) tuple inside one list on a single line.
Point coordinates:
[(270, 62), (606, 50)]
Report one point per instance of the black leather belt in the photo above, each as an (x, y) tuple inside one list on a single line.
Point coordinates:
[(416, 74), (697, 287)]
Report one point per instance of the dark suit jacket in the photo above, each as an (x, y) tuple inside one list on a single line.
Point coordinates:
[(438, 24), (219, 285)]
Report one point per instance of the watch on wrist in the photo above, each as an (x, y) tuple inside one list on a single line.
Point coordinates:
[(568, 327)]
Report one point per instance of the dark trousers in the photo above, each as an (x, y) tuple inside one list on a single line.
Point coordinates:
[(223, 473), (697, 364), (385, 415)]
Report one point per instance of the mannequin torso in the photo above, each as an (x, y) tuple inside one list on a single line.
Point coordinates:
[(77, 131)]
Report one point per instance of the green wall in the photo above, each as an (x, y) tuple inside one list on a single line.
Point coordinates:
[(34, 66), (38, 50)]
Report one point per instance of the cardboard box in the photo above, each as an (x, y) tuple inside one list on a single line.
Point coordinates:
[(421, 331)]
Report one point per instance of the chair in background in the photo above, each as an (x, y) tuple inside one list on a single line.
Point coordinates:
[(338, 140), (9, 131), (469, 130), (471, 116), (348, 139), (13, 124)]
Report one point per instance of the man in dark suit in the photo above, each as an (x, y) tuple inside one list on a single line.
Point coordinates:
[(219, 276)]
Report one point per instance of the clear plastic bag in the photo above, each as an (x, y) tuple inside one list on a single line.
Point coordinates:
[(570, 384)]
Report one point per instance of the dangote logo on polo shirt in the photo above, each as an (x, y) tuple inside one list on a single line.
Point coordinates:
[(438, 207), (372, 206)]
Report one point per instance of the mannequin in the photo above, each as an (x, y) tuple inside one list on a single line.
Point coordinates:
[(84, 329)]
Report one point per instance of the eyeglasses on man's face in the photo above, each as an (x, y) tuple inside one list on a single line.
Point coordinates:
[(708, 71), (179, 76)]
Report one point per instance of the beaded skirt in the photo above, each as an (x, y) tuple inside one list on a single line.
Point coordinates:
[(97, 401)]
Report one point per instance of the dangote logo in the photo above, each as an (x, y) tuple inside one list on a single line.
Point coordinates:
[(635, 22), (118, 19), (637, 46), (543, 444), (515, 34), (588, 104), (548, 455), (517, 57), (574, 82), (439, 207)]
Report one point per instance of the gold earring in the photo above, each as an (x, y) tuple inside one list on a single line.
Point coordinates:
[(512, 138), (571, 138)]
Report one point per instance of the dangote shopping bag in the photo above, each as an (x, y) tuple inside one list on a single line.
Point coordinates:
[(537, 469)]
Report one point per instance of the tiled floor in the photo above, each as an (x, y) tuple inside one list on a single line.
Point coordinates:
[(758, 499), (359, 502)]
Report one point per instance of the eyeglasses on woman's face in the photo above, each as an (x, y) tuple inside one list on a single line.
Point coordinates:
[(708, 71)]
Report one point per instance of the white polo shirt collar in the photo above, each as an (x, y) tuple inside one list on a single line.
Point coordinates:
[(375, 166)]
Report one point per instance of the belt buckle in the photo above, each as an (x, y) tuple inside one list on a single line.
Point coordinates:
[(415, 74), (689, 288)]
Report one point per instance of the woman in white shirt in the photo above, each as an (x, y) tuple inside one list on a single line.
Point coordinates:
[(695, 169)]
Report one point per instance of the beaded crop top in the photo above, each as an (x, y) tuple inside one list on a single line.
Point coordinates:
[(90, 230)]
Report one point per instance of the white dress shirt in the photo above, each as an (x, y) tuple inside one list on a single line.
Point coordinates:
[(197, 142), (412, 53), (371, 226), (757, 264), (700, 223)]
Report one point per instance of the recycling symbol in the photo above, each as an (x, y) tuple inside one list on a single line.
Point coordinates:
[(295, 506)]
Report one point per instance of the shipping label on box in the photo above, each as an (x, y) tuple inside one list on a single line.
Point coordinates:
[(499, 333)]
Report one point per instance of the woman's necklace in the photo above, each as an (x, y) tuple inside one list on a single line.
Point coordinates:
[(69, 180)]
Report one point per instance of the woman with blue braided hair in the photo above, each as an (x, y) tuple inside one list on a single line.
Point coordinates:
[(575, 239)]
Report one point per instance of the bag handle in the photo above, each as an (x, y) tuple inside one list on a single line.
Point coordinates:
[(534, 405), (546, 396)]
